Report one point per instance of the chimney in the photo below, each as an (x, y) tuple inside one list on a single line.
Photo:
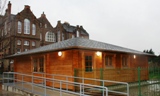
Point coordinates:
[(43, 15), (9, 7), (81, 27), (26, 7), (59, 21), (77, 26)]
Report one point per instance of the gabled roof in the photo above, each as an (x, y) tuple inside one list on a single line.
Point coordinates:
[(80, 43), (70, 28)]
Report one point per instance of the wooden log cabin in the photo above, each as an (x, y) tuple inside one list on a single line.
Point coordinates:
[(86, 56)]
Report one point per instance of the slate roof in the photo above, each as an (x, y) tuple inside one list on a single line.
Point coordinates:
[(81, 43), (71, 28)]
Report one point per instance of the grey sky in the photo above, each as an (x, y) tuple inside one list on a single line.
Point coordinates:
[(133, 24)]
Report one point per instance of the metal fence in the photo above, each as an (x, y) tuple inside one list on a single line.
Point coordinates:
[(29, 83), (65, 83), (142, 81)]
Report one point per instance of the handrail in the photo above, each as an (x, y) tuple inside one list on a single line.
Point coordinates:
[(83, 81), (81, 85)]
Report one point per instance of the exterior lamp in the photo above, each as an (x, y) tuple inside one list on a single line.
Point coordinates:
[(98, 53), (59, 53), (134, 56)]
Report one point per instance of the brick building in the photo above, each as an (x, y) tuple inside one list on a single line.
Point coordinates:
[(24, 31)]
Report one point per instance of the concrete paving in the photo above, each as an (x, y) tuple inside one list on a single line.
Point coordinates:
[(7, 93)]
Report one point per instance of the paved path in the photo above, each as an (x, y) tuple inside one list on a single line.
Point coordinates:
[(6, 93)]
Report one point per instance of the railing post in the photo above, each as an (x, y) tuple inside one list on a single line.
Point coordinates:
[(101, 76), (60, 88), (44, 86), (3, 78), (139, 81), (8, 78), (127, 89), (32, 83), (22, 82), (80, 90), (67, 83)]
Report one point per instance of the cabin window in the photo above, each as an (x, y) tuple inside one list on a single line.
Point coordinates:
[(124, 61), (108, 60), (88, 63), (35, 65), (38, 64)]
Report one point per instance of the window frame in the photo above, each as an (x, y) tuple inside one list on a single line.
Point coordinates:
[(26, 26), (125, 61), (19, 29), (88, 60), (19, 42), (33, 29), (38, 64), (50, 37), (33, 43), (26, 43)]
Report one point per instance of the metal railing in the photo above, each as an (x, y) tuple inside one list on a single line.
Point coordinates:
[(30, 83), (82, 80)]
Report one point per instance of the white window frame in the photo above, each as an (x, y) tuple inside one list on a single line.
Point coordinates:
[(26, 26), (19, 27), (50, 37), (26, 43), (33, 29)]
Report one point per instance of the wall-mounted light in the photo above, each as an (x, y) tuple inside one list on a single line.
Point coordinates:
[(59, 53), (98, 53), (134, 56)]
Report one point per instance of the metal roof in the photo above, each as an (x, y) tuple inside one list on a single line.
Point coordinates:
[(80, 43)]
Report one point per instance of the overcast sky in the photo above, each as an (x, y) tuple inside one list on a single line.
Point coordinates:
[(134, 24)]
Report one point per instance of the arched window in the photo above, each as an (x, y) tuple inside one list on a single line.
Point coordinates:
[(26, 26), (50, 37), (33, 29), (19, 27)]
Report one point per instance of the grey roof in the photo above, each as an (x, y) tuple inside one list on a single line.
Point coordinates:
[(70, 28), (81, 43)]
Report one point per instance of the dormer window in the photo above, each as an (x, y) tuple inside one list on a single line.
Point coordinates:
[(26, 43), (26, 26)]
